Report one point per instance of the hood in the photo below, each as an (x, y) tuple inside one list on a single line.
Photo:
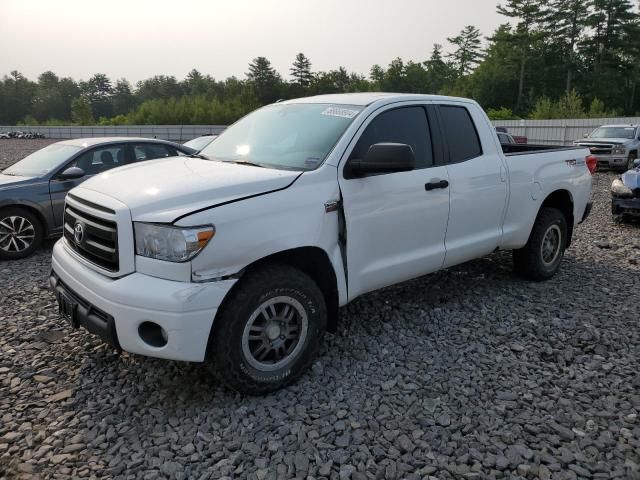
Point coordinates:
[(162, 190), (12, 180), (604, 141)]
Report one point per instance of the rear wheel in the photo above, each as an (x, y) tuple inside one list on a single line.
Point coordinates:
[(21, 233), (540, 258), (269, 331)]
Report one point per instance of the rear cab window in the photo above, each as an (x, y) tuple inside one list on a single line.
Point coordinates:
[(462, 136)]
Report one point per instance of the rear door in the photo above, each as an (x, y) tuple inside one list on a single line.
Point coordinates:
[(150, 151), (395, 227), (477, 183)]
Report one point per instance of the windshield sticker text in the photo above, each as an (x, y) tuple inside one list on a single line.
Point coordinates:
[(340, 112)]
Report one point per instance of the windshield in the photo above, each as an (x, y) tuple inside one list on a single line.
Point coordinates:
[(614, 132), (43, 161), (296, 136), (200, 142)]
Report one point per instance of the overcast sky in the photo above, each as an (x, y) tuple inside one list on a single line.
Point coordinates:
[(136, 39)]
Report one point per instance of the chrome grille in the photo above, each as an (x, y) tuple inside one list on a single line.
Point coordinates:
[(598, 149), (92, 237)]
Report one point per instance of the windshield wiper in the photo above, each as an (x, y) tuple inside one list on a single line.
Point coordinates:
[(243, 162), (198, 155)]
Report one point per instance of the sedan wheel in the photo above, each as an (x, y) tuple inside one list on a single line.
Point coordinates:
[(20, 233)]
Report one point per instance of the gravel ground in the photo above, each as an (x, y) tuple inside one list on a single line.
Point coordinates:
[(467, 373)]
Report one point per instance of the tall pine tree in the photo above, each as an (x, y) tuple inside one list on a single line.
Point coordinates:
[(564, 21), (301, 71), (264, 79), (528, 13), (468, 51)]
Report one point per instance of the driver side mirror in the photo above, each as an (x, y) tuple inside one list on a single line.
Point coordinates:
[(72, 173), (382, 158), (586, 135)]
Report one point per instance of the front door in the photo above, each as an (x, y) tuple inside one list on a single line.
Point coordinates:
[(92, 162), (395, 223)]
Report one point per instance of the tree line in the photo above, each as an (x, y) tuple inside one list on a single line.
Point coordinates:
[(550, 59)]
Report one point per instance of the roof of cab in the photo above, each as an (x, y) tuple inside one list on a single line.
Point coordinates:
[(89, 142), (367, 98)]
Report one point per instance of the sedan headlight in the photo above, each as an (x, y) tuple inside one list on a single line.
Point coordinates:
[(619, 150), (169, 243), (620, 189)]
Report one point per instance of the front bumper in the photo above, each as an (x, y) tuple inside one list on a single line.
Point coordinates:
[(613, 161), (185, 311), (625, 206)]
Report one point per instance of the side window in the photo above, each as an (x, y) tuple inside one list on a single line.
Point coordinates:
[(101, 159), (407, 125), (149, 151), (462, 137)]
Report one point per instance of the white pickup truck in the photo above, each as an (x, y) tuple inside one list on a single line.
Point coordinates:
[(241, 256)]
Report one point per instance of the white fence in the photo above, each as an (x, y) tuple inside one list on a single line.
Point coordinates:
[(177, 133), (546, 132), (559, 132)]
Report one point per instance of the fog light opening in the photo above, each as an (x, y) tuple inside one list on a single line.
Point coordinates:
[(153, 334)]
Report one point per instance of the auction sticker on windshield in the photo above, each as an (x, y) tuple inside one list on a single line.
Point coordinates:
[(340, 112)]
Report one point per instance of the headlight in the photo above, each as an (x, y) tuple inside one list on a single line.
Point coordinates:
[(619, 188), (173, 244), (619, 150)]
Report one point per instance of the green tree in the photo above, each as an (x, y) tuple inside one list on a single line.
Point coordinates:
[(528, 13), (49, 102), (468, 49), (376, 74), (264, 80), (18, 97), (159, 86), (495, 82), (438, 72), (301, 71), (81, 112), (501, 114), (198, 84), (98, 90), (611, 51), (563, 23), (123, 99)]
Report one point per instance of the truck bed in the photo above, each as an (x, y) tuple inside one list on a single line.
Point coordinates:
[(523, 149)]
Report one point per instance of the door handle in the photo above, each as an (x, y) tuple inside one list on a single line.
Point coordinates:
[(435, 185)]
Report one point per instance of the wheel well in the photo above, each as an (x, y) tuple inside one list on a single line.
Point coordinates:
[(35, 211), (561, 199), (634, 151), (314, 262)]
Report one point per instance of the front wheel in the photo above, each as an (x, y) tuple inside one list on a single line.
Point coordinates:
[(540, 258), (631, 160), (21, 233), (269, 331)]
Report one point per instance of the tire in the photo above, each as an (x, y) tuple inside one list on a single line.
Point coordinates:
[(21, 233), (632, 158), (253, 320), (541, 257)]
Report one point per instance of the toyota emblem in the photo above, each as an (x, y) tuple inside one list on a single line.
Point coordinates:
[(78, 233)]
